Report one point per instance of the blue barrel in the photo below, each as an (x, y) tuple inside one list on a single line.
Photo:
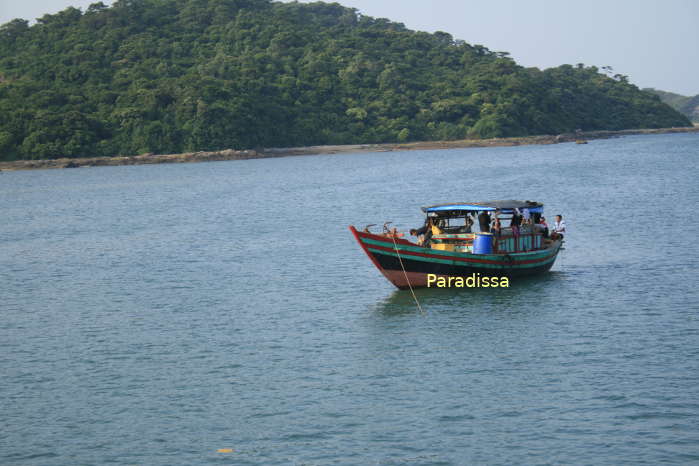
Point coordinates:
[(483, 243)]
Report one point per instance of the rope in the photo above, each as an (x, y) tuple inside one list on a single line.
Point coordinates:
[(395, 246)]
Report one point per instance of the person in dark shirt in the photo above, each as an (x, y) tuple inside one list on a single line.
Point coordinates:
[(425, 231), (484, 222), (420, 231), (515, 222)]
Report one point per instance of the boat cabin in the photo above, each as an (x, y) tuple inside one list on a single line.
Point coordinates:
[(467, 227)]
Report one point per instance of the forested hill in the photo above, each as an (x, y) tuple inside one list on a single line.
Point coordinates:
[(169, 76)]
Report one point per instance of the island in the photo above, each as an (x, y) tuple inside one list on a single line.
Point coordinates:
[(230, 78)]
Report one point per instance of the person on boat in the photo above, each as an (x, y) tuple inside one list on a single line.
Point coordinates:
[(484, 221), (515, 222), (424, 233), (419, 233), (475, 223), (437, 227), (467, 225), (496, 229), (526, 216), (542, 226), (559, 227)]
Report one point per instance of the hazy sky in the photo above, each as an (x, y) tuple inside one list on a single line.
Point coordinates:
[(655, 43)]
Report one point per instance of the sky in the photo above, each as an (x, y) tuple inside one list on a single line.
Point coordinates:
[(655, 43)]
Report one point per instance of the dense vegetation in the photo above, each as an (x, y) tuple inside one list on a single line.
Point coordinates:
[(688, 106), (170, 76)]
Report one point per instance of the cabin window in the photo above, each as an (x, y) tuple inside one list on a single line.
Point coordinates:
[(455, 225)]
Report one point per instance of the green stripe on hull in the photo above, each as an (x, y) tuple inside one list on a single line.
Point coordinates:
[(417, 258), (494, 257), (501, 265)]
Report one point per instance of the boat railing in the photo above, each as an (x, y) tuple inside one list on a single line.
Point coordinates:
[(506, 242), (528, 239)]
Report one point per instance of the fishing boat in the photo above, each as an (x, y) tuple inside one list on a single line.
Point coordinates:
[(451, 247)]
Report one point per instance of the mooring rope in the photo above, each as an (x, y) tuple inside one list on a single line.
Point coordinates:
[(395, 246)]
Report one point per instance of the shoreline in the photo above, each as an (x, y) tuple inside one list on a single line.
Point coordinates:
[(230, 154)]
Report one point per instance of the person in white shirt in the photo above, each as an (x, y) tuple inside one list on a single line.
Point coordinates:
[(475, 224), (559, 227)]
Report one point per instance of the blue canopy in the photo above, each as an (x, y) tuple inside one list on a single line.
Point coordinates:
[(448, 207), (505, 207)]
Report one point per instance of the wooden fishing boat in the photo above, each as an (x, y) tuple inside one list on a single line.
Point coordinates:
[(452, 249)]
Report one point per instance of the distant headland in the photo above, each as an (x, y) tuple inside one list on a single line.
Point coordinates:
[(687, 105)]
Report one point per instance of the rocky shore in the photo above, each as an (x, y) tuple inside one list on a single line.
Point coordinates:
[(230, 154)]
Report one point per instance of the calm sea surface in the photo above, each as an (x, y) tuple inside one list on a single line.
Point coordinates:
[(156, 314)]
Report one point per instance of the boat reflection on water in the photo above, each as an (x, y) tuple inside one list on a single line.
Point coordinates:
[(523, 292)]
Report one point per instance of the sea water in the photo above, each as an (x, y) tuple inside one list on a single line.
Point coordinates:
[(159, 314)]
